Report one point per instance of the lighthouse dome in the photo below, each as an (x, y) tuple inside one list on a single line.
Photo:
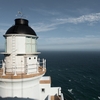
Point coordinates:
[(21, 27)]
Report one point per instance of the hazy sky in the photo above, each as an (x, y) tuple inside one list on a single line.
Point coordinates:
[(59, 24)]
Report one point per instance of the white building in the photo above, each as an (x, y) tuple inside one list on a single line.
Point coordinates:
[(22, 71)]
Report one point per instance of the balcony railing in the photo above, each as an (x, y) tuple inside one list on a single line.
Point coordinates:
[(39, 66)]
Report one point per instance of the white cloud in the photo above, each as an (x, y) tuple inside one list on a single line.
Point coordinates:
[(84, 18), (91, 18), (41, 27)]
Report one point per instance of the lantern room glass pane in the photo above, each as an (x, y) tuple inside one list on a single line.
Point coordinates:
[(28, 48), (30, 45), (33, 41), (33, 48), (28, 40)]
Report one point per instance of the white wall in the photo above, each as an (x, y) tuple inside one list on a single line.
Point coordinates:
[(8, 63), (19, 44), (48, 89), (31, 62), (20, 88), (23, 44), (9, 44), (43, 95), (55, 90), (20, 64)]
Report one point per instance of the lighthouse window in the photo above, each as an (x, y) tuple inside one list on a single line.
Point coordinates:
[(30, 44)]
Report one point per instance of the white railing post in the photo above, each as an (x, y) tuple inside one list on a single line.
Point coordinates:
[(15, 74), (59, 91), (37, 66), (39, 60), (3, 65), (27, 70), (49, 97), (62, 97), (3, 71), (45, 63)]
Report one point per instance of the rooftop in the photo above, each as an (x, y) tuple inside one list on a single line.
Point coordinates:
[(21, 27)]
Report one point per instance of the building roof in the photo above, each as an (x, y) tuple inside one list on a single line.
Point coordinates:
[(21, 27)]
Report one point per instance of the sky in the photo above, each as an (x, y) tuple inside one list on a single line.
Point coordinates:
[(59, 24)]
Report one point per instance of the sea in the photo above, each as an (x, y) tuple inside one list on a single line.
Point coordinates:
[(76, 72)]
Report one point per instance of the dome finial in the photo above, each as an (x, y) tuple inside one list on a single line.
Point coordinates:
[(20, 14)]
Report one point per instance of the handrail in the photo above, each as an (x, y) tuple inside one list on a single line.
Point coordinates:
[(40, 62)]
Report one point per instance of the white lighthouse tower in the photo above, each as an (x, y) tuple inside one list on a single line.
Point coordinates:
[(22, 71)]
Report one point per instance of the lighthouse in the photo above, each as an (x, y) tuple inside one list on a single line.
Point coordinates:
[(21, 74)]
